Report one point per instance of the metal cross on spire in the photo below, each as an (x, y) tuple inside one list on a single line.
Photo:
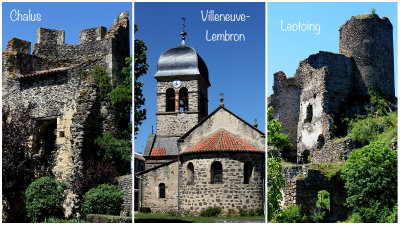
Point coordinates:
[(183, 33), (221, 99)]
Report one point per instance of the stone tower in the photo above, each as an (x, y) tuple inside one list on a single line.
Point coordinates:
[(369, 40), (182, 82)]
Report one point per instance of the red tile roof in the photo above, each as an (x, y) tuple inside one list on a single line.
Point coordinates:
[(44, 72), (157, 151), (222, 141)]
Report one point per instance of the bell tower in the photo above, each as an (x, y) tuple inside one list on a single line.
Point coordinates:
[(182, 83)]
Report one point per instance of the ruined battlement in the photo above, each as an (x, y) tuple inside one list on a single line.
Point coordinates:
[(50, 36), (92, 34)]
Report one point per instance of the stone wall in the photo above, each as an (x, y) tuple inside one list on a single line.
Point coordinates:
[(125, 184), (334, 151), (150, 181), (302, 186), (369, 40), (232, 193)]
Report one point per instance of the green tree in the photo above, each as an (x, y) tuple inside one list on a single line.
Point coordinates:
[(371, 180), (100, 77), (275, 183), (121, 100), (274, 132), (140, 69), (378, 101)]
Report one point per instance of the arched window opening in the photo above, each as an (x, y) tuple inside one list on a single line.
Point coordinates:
[(323, 206), (247, 172), (320, 141), (161, 189), (190, 173), (170, 100), (216, 173), (183, 99), (306, 156), (309, 115)]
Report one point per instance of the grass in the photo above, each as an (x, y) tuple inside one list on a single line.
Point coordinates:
[(164, 218), (328, 169)]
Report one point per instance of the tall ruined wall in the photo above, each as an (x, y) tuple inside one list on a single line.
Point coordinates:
[(286, 103), (326, 86), (302, 186), (150, 181), (125, 184), (232, 193), (369, 40)]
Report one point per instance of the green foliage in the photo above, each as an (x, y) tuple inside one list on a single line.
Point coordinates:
[(260, 211), (318, 215), (44, 198), (368, 129), (274, 132), (373, 10), (172, 213), (308, 158), (290, 215), (141, 67), (115, 150), (324, 202), (121, 100), (371, 180), (251, 212), (275, 183), (101, 219), (100, 77), (378, 101), (187, 213), (145, 209), (328, 169), (57, 220), (103, 199), (242, 212), (210, 211)]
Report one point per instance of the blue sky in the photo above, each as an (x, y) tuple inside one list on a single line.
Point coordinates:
[(287, 49), (235, 68), (71, 17)]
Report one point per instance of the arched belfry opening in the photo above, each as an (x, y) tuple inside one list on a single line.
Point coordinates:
[(183, 100), (170, 101)]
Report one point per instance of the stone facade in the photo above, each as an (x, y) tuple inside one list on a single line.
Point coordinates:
[(302, 187), (150, 182), (55, 77), (232, 193)]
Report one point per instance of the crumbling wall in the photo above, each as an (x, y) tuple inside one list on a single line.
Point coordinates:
[(302, 187), (125, 184)]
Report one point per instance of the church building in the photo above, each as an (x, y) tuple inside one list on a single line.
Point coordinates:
[(197, 160)]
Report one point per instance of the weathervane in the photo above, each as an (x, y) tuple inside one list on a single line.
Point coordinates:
[(183, 33)]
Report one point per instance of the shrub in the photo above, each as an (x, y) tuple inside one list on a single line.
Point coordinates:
[(260, 211), (371, 180), (187, 213), (373, 11), (172, 213), (275, 183), (274, 133), (242, 212), (145, 210), (44, 198), (104, 199), (210, 211), (290, 215), (251, 212), (94, 218), (231, 212)]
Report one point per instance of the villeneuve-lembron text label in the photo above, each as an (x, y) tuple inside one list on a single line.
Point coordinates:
[(301, 27), (19, 16), (211, 16)]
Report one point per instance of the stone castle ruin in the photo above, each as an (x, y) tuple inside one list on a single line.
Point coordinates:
[(68, 109), (326, 88)]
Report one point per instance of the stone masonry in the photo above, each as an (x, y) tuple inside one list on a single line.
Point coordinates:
[(55, 77)]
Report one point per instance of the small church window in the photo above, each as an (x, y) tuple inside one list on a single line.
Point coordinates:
[(183, 99), (161, 188), (247, 172), (216, 173), (190, 172), (170, 100)]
